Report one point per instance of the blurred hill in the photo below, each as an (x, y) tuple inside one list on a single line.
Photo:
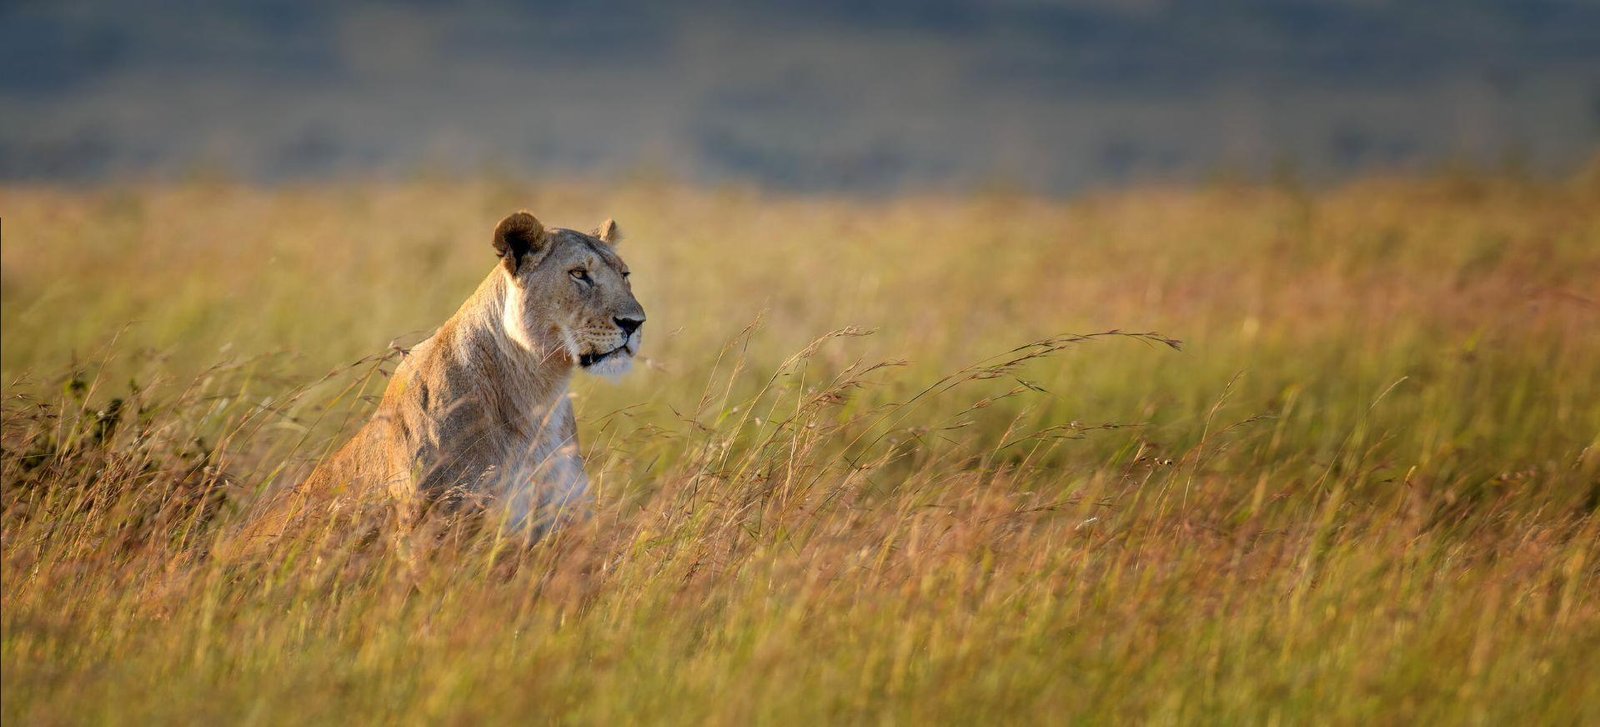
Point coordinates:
[(816, 95)]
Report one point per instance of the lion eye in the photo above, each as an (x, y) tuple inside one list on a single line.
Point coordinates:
[(580, 275), (625, 274)]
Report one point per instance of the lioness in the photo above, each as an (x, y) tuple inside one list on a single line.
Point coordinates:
[(480, 409)]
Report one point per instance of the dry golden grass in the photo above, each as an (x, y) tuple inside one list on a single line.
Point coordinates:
[(868, 474)]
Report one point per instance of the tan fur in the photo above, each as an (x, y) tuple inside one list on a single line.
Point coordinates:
[(479, 411)]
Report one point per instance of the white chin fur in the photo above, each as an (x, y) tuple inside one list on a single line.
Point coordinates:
[(612, 366)]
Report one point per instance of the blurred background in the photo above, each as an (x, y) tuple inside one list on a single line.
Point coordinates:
[(1045, 95)]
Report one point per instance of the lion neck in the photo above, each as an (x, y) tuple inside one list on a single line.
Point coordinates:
[(523, 378)]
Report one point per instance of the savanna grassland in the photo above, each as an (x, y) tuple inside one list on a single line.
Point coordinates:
[(885, 461)]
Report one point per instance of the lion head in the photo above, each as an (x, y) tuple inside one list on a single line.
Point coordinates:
[(568, 294)]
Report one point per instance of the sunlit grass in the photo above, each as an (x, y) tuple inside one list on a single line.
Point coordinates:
[(879, 464)]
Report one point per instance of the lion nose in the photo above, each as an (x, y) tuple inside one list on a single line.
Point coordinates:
[(628, 325)]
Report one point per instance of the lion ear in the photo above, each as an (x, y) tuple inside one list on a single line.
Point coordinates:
[(609, 233), (517, 237)]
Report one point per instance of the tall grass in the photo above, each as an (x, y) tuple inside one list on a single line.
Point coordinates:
[(931, 458)]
